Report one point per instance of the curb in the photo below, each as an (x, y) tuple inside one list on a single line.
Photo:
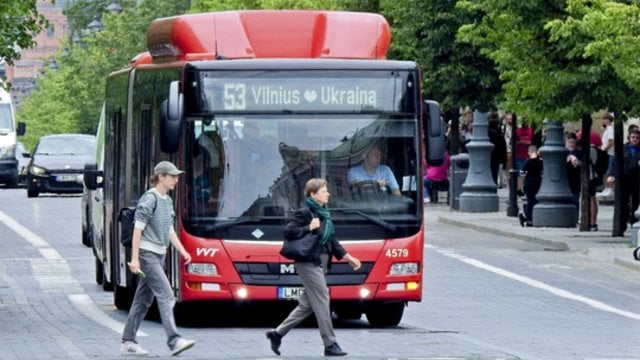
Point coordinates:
[(631, 265), (549, 244)]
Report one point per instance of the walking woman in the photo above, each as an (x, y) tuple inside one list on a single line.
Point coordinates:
[(153, 231), (315, 218)]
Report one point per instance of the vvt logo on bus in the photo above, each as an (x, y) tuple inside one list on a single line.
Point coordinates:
[(206, 252)]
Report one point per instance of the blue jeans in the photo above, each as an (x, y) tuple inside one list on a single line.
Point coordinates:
[(154, 284), (427, 186)]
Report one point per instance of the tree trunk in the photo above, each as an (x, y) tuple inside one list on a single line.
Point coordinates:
[(618, 206), (585, 201)]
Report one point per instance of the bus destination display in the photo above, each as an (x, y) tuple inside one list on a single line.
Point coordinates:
[(303, 94)]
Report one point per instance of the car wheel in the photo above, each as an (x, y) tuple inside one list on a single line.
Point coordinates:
[(32, 193), (13, 183)]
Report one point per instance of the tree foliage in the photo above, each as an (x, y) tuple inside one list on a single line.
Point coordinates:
[(454, 73), (540, 52), (20, 23), (552, 59), (70, 98)]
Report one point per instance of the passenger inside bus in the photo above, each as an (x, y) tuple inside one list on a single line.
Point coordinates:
[(371, 177)]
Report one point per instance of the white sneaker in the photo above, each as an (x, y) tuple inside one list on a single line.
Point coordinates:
[(181, 345), (132, 348), (605, 193), (427, 200)]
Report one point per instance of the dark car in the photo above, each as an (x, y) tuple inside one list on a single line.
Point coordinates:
[(57, 163)]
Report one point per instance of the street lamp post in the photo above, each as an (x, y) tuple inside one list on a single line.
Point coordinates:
[(479, 191), (555, 206)]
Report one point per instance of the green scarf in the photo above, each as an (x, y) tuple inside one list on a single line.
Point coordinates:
[(325, 215)]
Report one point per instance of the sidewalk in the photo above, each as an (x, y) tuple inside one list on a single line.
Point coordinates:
[(598, 244)]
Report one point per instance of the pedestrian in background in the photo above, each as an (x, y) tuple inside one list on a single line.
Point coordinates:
[(508, 133), (595, 180), (152, 234), (574, 169), (532, 170), (524, 136), (499, 151), (630, 178), (607, 146), (314, 218), (434, 175)]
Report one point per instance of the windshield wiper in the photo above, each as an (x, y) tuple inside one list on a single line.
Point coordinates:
[(373, 219), (238, 221)]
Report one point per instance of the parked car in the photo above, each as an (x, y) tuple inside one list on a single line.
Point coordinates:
[(57, 163), (23, 157)]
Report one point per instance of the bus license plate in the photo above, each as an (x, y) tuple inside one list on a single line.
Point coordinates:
[(66, 178), (290, 293)]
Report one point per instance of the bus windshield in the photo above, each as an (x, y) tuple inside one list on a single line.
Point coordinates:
[(252, 169)]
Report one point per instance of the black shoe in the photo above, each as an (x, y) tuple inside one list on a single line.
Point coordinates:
[(276, 340), (334, 350), (593, 227), (528, 224), (522, 219)]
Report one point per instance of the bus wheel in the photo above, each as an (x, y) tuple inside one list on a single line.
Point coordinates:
[(99, 272), (106, 284), (348, 313), (86, 240), (122, 297), (385, 314)]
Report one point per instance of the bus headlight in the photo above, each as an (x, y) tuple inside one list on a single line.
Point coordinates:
[(202, 269), (404, 269)]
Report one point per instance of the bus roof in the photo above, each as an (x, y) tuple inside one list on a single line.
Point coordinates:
[(267, 34), (296, 64)]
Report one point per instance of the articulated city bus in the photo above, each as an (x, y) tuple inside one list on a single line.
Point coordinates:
[(252, 104)]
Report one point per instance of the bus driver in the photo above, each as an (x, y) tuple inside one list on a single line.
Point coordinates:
[(371, 171)]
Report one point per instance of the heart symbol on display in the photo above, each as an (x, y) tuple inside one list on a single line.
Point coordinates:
[(310, 95)]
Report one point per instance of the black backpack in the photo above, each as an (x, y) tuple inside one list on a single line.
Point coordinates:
[(127, 219)]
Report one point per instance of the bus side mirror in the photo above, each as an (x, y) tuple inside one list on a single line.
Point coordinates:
[(433, 128), (92, 177), (171, 119), (22, 128)]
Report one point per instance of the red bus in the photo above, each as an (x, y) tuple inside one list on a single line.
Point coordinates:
[(252, 104)]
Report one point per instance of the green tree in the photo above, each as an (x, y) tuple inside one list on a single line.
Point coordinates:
[(454, 73), (70, 99), (540, 54), (20, 23)]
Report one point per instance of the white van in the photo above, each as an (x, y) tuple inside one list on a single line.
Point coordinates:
[(8, 140)]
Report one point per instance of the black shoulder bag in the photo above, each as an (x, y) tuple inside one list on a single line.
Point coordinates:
[(301, 249), (127, 219)]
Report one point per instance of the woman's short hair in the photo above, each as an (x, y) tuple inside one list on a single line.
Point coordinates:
[(313, 185)]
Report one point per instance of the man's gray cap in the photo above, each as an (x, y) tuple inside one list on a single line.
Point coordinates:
[(166, 167)]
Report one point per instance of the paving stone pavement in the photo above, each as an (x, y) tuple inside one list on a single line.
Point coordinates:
[(599, 245)]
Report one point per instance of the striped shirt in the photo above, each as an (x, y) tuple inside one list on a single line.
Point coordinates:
[(156, 225)]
